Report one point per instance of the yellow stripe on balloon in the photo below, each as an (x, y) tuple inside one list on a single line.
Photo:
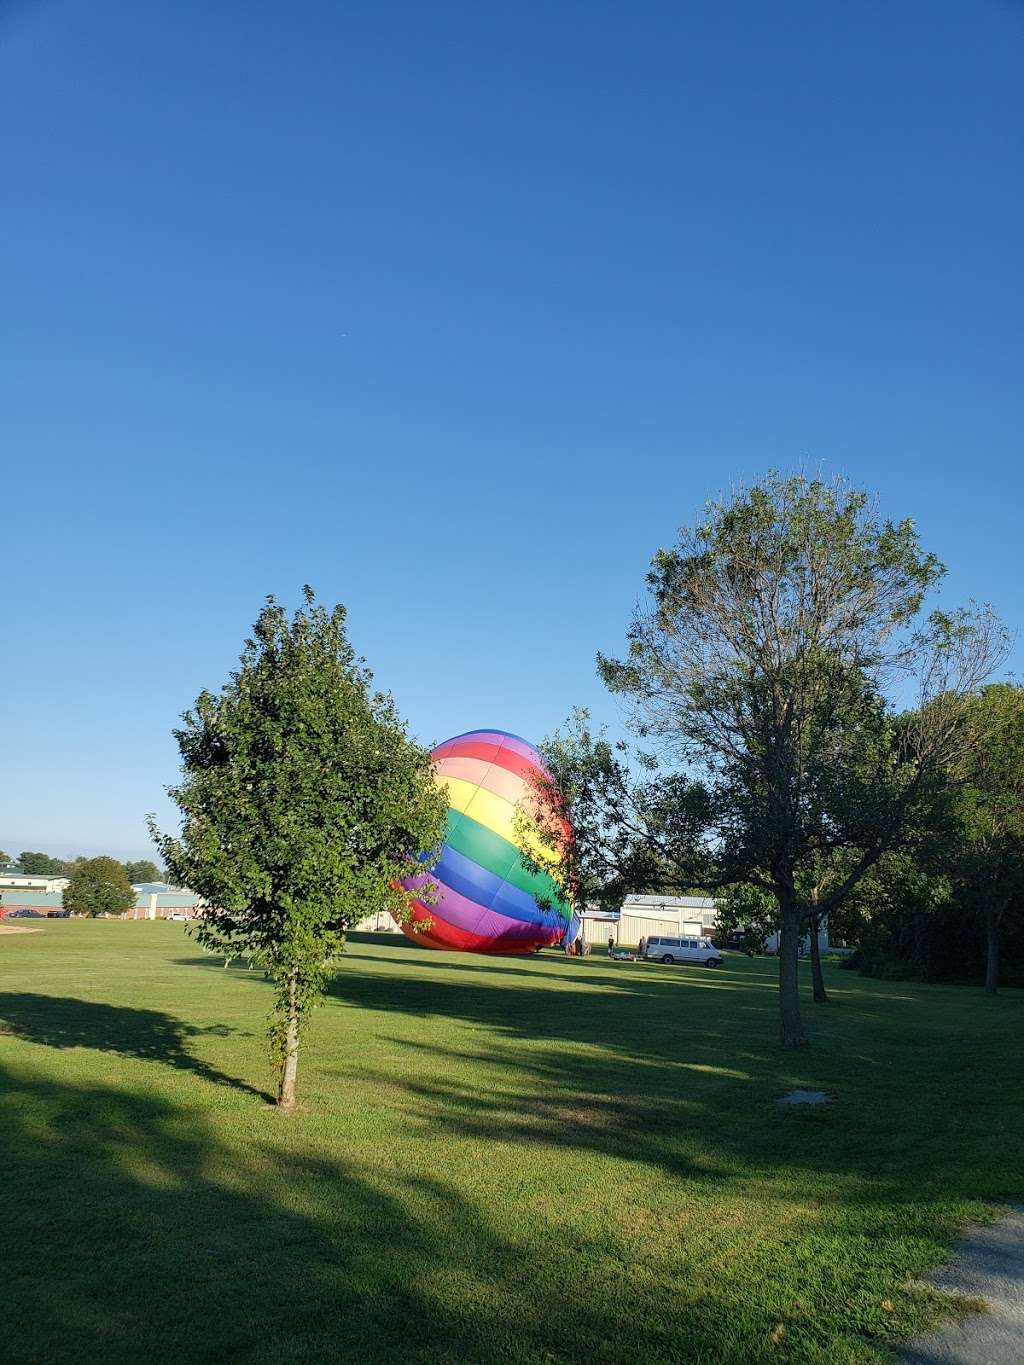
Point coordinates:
[(493, 812), (491, 776)]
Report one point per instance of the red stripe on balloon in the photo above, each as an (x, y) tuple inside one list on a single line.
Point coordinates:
[(503, 738), (443, 935), (490, 753)]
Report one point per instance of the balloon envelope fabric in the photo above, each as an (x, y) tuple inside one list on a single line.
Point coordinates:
[(487, 897)]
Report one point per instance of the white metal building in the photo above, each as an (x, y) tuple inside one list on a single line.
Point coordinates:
[(30, 881), (652, 916), (771, 944), (380, 922)]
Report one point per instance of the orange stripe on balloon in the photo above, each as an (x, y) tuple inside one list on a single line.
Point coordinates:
[(509, 786)]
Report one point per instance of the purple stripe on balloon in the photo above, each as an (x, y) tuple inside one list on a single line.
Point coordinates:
[(477, 919)]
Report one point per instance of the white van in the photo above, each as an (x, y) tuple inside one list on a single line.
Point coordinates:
[(683, 950)]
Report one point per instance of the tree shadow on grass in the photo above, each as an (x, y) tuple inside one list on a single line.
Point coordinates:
[(243, 1236), (136, 1230), (923, 1105), (639, 1015), (642, 1067), (146, 1035)]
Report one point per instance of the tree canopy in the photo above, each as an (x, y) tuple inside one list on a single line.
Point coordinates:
[(303, 801), (762, 675), (143, 870), (986, 858), (40, 864), (99, 886)]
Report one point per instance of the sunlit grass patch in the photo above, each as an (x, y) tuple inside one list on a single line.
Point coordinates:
[(526, 1160)]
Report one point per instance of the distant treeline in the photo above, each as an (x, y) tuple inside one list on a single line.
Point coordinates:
[(939, 943), (44, 865)]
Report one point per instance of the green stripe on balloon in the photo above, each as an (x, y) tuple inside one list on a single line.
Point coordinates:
[(499, 857)]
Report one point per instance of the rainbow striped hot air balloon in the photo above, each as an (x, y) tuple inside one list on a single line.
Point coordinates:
[(488, 898)]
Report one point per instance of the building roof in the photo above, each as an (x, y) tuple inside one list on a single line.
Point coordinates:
[(671, 902), (11, 897), (9, 875)]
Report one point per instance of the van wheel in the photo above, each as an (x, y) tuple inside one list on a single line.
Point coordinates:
[(668, 958), (713, 962)]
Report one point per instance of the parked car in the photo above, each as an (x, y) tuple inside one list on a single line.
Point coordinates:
[(670, 950), (25, 914), (177, 914), (58, 914)]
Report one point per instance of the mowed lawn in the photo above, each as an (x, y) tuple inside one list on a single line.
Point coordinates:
[(530, 1160)]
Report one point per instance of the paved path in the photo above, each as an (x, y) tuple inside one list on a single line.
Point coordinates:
[(989, 1265)]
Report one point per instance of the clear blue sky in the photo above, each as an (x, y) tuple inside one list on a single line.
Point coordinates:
[(456, 311)]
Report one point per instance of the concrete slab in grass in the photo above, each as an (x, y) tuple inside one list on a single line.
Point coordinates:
[(989, 1265)]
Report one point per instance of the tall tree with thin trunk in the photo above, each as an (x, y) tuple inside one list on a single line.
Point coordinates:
[(303, 801), (762, 672), (987, 856)]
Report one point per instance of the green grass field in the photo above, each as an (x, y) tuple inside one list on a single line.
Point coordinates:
[(530, 1160)]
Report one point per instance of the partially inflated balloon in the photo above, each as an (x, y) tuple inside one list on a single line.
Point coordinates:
[(488, 899)]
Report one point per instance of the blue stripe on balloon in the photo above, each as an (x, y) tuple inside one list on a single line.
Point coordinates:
[(474, 882)]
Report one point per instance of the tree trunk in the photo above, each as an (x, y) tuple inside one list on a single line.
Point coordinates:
[(820, 994), (791, 1027), (992, 919), (290, 1060)]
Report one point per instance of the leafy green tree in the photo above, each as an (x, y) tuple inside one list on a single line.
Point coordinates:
[(987, 860), (754, 910), (749, 910), (5, 858), (99, 886), (144, 870), (303, 802), (40, 864), (895, 911), (626, 832), (759, 673)]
